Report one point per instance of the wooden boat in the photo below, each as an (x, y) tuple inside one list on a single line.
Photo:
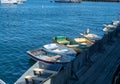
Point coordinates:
[(49, 57), (90, 36), (68, 42), (84, 42), (61, 40)]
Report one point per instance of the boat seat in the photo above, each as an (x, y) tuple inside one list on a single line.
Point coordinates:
[(50, 46), (54, 58), (73, 46), (29, 80), (32, 79), (37, 71), (64, 42), (44, 70)]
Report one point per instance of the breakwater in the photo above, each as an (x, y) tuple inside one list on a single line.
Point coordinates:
[(94, 65)]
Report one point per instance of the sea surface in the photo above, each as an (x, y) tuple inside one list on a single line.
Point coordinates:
[(32, 24)]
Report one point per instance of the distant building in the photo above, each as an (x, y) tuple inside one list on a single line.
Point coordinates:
[(12, 1), (9, 1)]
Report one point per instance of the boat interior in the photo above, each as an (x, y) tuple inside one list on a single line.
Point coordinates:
[(84, 41)]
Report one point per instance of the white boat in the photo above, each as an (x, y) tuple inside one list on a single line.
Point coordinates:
[(59, 49), (2, 82), (116, 23), (12, 1), (109, 28), (9, 1), (90, 36)]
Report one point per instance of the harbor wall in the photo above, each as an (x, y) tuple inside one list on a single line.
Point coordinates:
[(86, 58)]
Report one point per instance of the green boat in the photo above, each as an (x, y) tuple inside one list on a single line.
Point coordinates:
[(64, 40), (61, 40)]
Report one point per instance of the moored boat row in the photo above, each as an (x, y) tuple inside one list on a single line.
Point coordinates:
[(55, 52), (64, 49)]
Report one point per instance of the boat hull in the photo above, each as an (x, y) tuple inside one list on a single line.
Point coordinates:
[(49, 62)]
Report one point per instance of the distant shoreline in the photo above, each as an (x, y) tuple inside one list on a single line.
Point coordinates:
[(85, 1)]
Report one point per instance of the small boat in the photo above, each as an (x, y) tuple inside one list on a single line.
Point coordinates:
[(116, 23), (84, 42), (109, 28), (49, 57), (2, 82), (90, 36), (61, 40), (68, 42), (59, 49)]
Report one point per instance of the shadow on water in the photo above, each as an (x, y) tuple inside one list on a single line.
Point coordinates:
[(31, 61)]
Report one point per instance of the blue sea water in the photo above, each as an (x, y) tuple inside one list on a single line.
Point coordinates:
[(32, 24)]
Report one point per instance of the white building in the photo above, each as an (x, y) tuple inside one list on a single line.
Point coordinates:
[(12, 1)]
